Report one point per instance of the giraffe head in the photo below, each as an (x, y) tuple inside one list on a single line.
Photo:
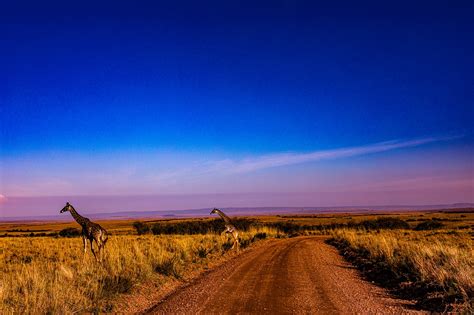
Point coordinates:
[(214, 211), (67, 207)]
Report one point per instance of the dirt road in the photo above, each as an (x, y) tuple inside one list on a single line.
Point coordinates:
[(298, 275)]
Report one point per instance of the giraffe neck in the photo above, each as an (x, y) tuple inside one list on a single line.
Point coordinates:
[(223, 216), (79, 219)]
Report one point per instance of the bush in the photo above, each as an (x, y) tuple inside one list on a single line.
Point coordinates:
[(199, 227), (141, 227), (381, 224), (429, 225), (69, 232), (294, 229), (287, 227), (260, 236), (115, 284), (169, 267)]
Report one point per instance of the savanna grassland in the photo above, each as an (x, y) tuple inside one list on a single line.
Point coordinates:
[(423, 255), (51, 275)]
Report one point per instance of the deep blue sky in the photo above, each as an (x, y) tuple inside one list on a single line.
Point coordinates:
[(242, 78), (281, 75)]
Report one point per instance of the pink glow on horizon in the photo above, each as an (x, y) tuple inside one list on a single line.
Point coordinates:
[(403, 192), (376, 174), (23, 206)]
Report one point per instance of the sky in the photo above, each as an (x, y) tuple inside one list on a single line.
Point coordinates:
[(235, 104)]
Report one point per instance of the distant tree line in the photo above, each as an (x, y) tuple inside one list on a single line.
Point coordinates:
[(243, 224), (205, 226), (384, 223), (70, 232), (191, 227), (31, 234)]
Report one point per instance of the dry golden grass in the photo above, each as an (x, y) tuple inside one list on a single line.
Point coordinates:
[(438, 264), (50, 275)]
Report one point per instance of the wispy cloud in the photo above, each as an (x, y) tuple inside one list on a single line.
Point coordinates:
[(290, 158)]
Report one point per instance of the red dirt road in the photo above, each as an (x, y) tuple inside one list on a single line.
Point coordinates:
[(291, 276)]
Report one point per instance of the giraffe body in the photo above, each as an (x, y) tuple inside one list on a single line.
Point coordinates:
[(229, 227), (90, 231)]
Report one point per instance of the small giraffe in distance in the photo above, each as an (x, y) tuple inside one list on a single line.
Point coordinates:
[(229, 227), (90, 231)]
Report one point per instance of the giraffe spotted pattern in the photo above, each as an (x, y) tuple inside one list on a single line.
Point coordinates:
[(90, 231)]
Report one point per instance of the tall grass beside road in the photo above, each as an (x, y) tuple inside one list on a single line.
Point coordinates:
[(436, 268), (50, 275)]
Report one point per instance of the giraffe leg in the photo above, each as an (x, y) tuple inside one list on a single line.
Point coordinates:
[(101, 245), (92, 249), (101, 252), (85, 245), (233, 237), (102, 240), (236, 240)]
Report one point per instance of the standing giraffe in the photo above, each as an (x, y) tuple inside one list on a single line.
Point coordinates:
[(229, 227), (90, 231)]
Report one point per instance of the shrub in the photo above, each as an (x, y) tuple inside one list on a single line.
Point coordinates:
[(202, 252), (287, 227), (141, 227), (187, 227), (115, 284), (199, 227), (294, 229), (260, 236), (69, 232), (381, 224), (169, 267), (429, 225)]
